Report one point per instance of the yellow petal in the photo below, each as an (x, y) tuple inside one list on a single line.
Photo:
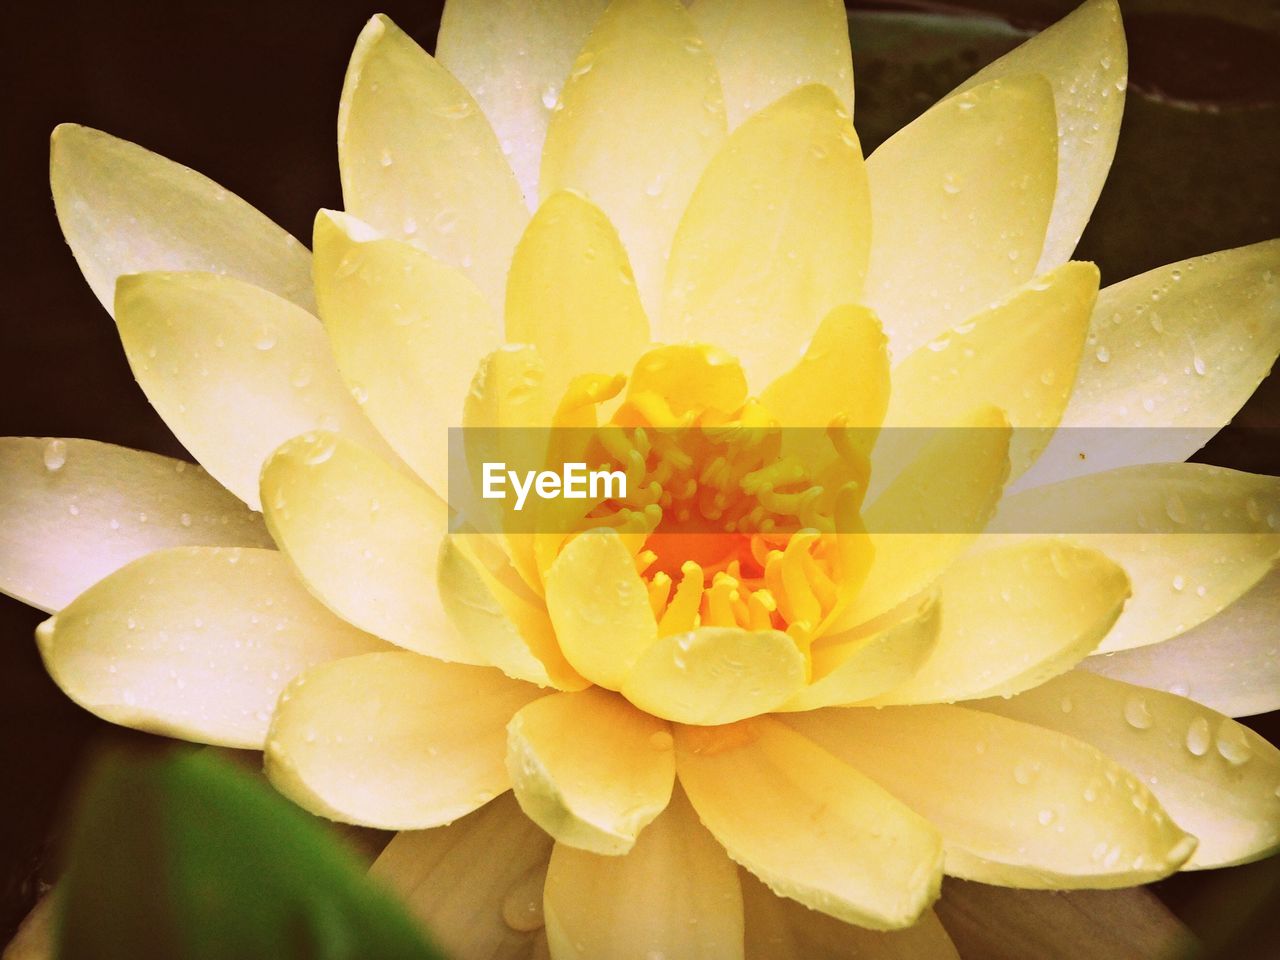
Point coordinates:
[(364, 539), (1084, 57), (124, 209), (782, 929), (764, 50), (193, 642), (1020, 355), (420, 162), (1177, 350), (514, 56), (600, 607), (931, 511), (960, 199), (691, 377), (1216, 778), (1014, 617), (1191, 537), (396, 740), (590, 769), (233, 370), (72, 511), (643, 79), (1228, 662), (775, 237), (862, 664), (408, 332), (472, 902), (813, 828), (674, 895), (715, 675), (571, 294), (1016, 805)]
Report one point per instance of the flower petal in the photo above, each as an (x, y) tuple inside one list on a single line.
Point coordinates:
[(571, 294), (590, 769), (124, 209), (776, 235), (715, 675), (674, 895), (1177, 351), (420, 162), (1229, 662), (1216, 778), (1191, 537), (1084, 57), (960, 199), (473, 903), (193, 642), (233, 369), (643, 79), (782, 929), (364, 539), (814, 829), (764, 50), (1017, 805), (408, 332), (396, 740), (1012, 618), (514, 56), (600, 607), (72, 511)]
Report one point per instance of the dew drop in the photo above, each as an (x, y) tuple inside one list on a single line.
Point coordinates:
[(55, 455), (1103, 355), (1045, 817), (266, 339), (1198, 738), (1137, 714), (1231, 743)]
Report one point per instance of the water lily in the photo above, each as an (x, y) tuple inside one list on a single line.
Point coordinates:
[(615, 738)]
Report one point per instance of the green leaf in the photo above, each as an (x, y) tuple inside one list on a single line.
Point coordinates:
[(185, 857)]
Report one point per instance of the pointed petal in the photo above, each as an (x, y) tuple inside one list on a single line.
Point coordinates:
[(1191, 537), (1017, 805), (590, 769), (124, 209), (776, 235), (643, 79), (960, 199), (1216, 778), (763, 50), (1229, 663), (1084, 57), (514, 56), (408, 332), (815, 829), (420, 162), (233, 369), (72, 511), (396, 741), (193, 642), (674, 895)]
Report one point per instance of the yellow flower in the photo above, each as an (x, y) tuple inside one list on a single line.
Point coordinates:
[(660, 220)]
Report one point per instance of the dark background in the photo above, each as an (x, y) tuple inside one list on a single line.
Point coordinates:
[(247, 93)]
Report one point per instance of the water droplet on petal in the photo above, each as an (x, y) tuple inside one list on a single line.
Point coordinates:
[(55, 455), (1137, 714), (1198, 737)]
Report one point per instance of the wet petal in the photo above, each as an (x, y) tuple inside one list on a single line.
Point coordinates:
[(1084, 57), (643, 79), (1017, 805), (960, 199), (72, 511), (233, 369), (193, 642), (764, 50), (396, 741), (1216, 778), (124, 209), (590, 769), (775, 237), (815, 829), (420, 162)]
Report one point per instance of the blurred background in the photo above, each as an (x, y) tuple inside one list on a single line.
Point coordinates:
[(247, 92)]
